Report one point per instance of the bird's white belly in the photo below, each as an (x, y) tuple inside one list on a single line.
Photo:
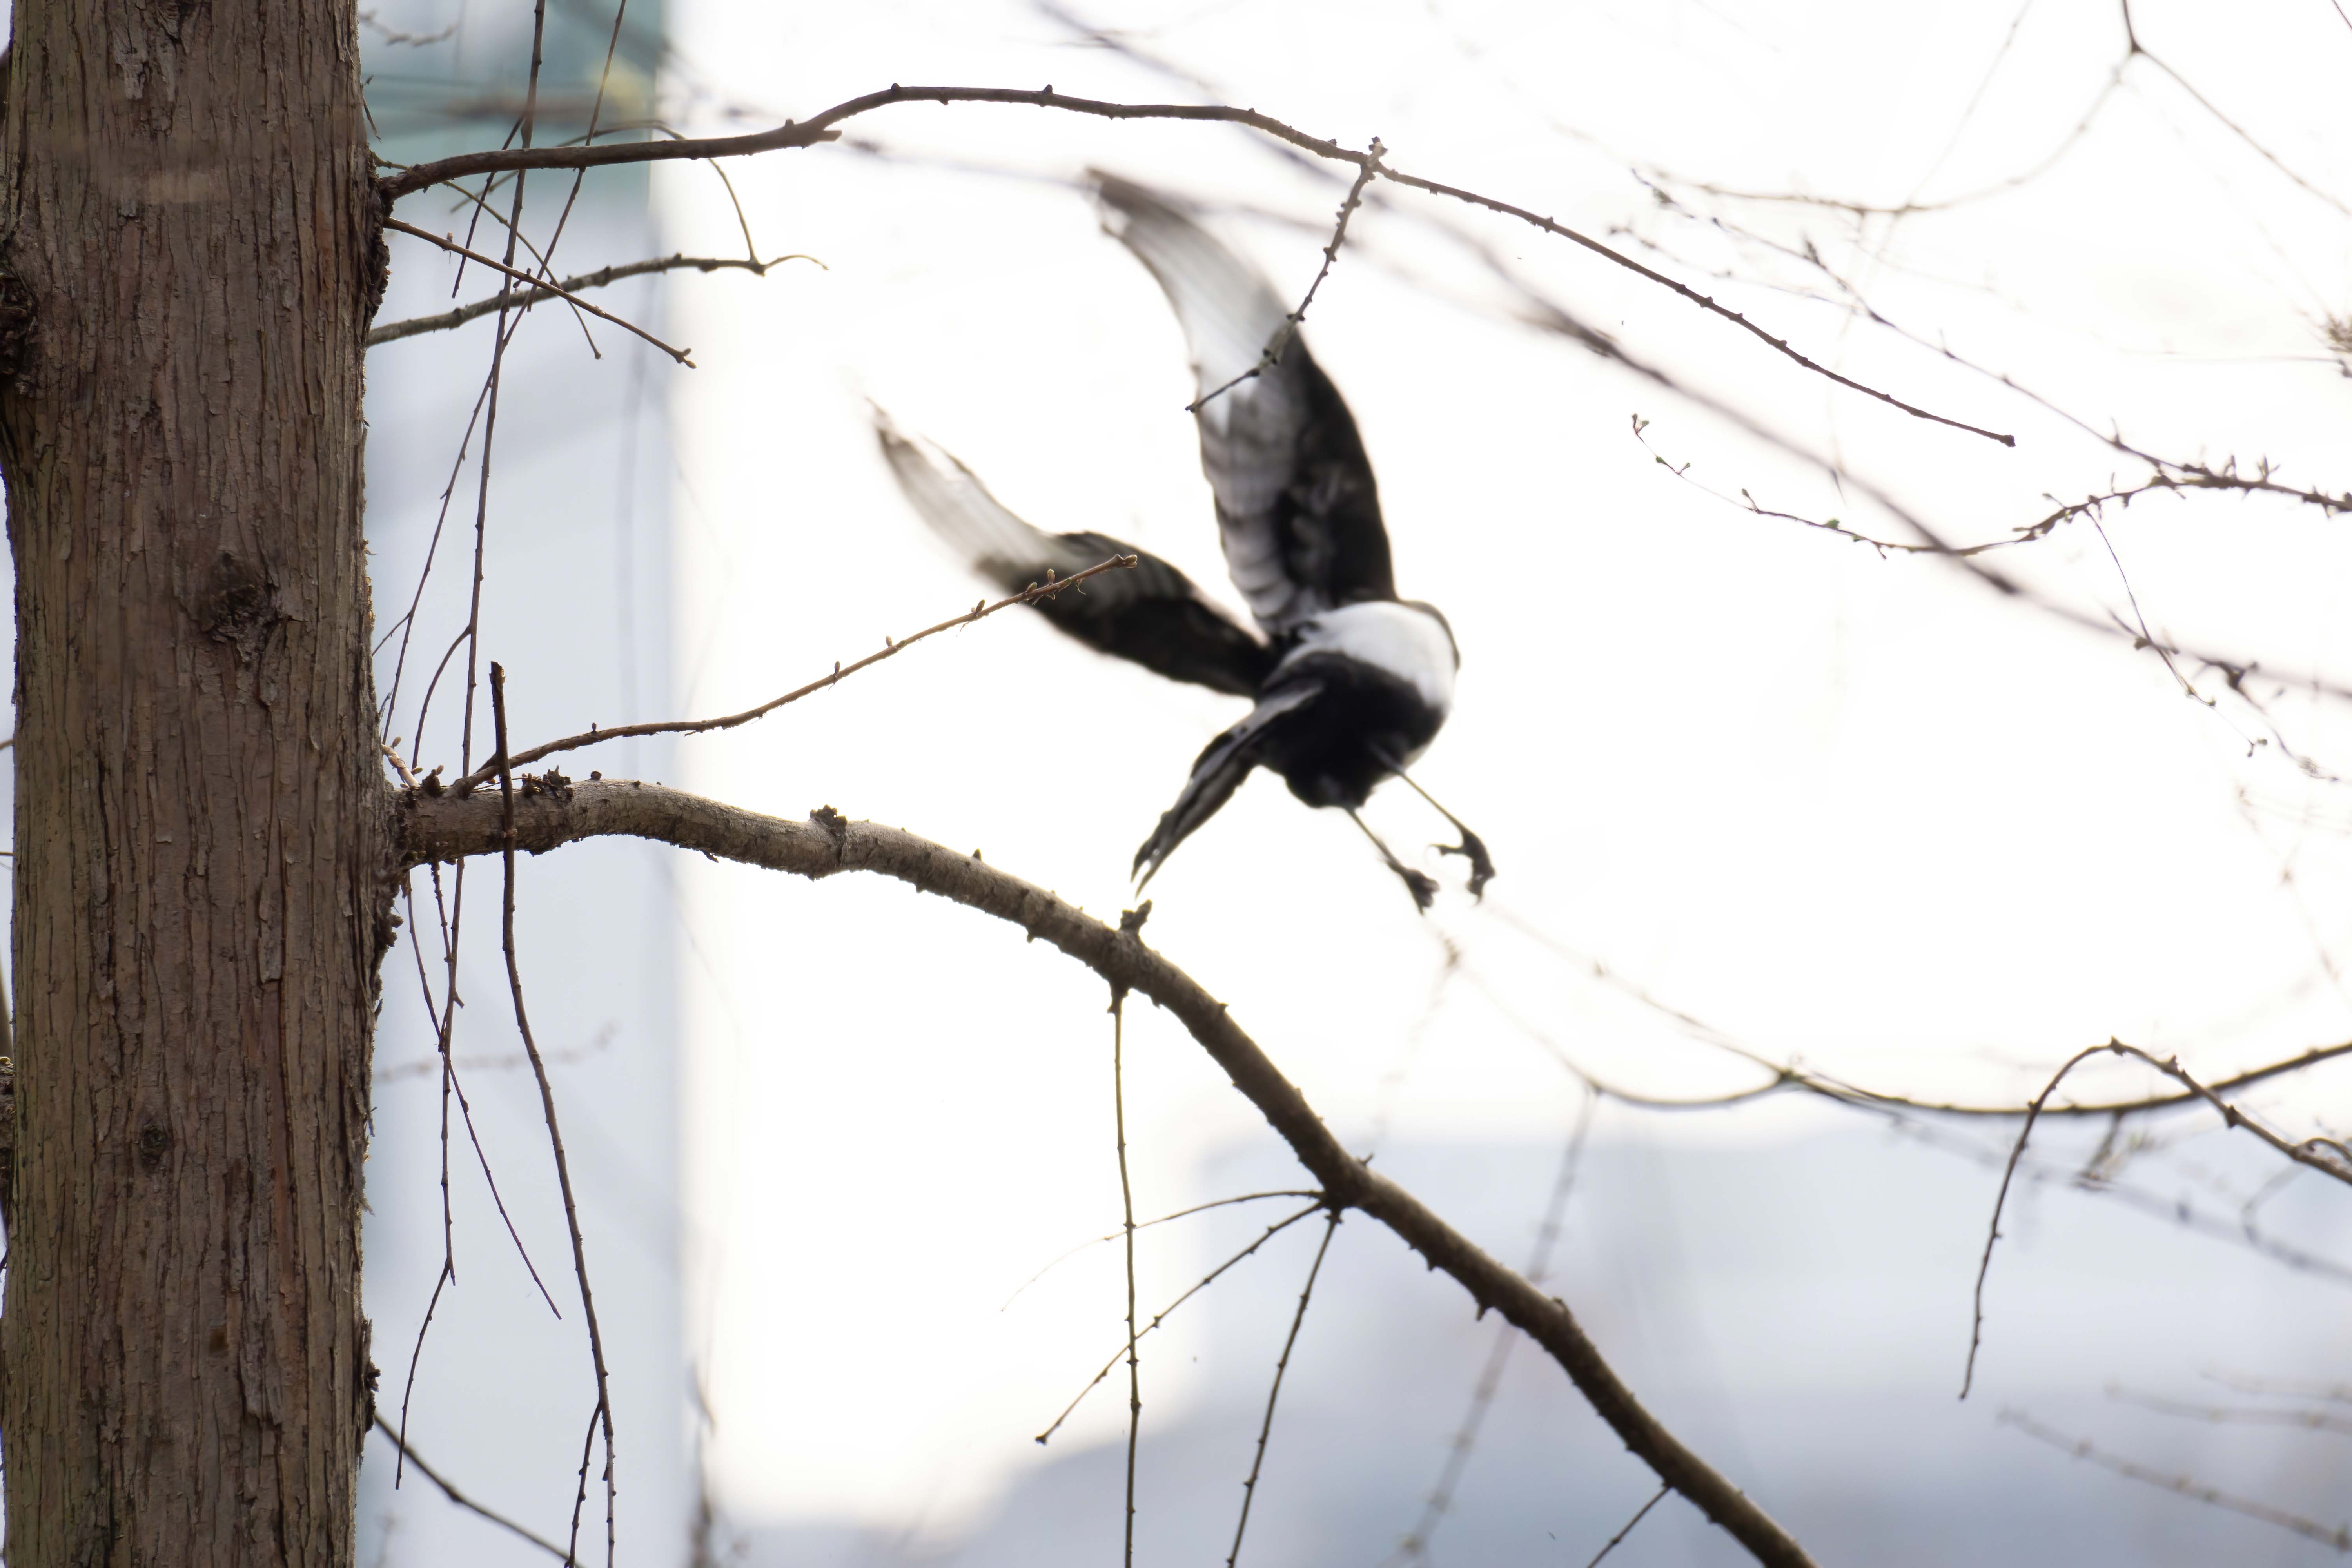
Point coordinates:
[(1408, 643)]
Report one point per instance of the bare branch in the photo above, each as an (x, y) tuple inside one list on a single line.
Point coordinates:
[(1274, 1390), (416, 326), (511, 302), (547, 1101), (1029, 595), (2339, 1538), (2335, 1162), (1639, 1515), (1132, 921), (448, 826), (1289, 331), (2234, 1415), (809, 132), (411, 1456), (1161, 1316)]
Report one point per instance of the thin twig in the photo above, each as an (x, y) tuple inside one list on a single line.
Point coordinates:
[(2234, 1415), (411, 1456), (1640, 1514), (1787, 1076), (2285, 1387), (1159, 1317), (1274, 1390), (547, 1103), (415, 326), (537, 287), (1147, 1224), (2337, 1164), (1029, 595), (2339, 1538), (1288, 333), (820, 128), (1126, 1208)]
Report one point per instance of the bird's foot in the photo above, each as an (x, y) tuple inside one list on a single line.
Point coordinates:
[(1474, 850), (1419, 884)]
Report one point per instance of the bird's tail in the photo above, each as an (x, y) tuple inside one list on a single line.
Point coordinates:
[(1221, 766)]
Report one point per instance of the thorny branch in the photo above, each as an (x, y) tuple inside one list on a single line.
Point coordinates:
[(1273, 1389), (981, 612), (820, 128), (2339, 1537), (1288, 332), (2324, 1154), (447, 827), (416, 326)]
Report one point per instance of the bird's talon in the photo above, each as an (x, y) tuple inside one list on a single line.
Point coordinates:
[(1471, 848)]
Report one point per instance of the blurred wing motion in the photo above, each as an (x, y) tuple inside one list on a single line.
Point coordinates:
[(1150, 614), (1296, 505)]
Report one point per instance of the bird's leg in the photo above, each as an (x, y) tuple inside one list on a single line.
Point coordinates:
[(1472, 847), (1423, 887)]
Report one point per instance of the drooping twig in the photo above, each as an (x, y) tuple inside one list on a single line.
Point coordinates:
[(819, 129), (1029, 595), (416, 326), (2339, 1537), (448, 826), (547, 1105), (534, 285), (411, 1456), (1273, 1389), (1288, 333)]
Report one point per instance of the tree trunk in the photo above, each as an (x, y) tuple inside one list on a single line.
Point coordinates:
[(188, 259)]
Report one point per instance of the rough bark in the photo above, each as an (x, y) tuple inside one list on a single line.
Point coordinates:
[(188, 260)]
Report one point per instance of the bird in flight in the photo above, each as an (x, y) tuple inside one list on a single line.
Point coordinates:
[(1351, 683)]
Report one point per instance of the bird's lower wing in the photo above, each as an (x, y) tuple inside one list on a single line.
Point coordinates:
[(1151, 615)]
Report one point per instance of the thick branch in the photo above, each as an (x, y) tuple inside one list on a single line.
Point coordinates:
[(445, 828), (393, 332), (808, 133)]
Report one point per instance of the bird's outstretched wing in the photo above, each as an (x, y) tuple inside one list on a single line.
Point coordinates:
[(1297, 507), (1150, 614)]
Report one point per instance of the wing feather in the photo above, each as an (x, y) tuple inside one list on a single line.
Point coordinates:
[(1151, 613), (1297, 509)]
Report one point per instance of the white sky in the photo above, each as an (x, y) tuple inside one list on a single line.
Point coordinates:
[(1851, 808)]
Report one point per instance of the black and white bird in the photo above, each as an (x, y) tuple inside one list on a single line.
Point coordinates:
[(1350, 682)]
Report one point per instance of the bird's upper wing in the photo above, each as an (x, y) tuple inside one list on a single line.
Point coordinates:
[(1297, 507), (1151, 613)]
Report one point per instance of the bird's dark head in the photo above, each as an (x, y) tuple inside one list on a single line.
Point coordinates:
[(1434, 614)]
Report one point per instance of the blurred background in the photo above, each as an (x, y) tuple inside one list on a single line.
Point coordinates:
[(1750, 783)]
